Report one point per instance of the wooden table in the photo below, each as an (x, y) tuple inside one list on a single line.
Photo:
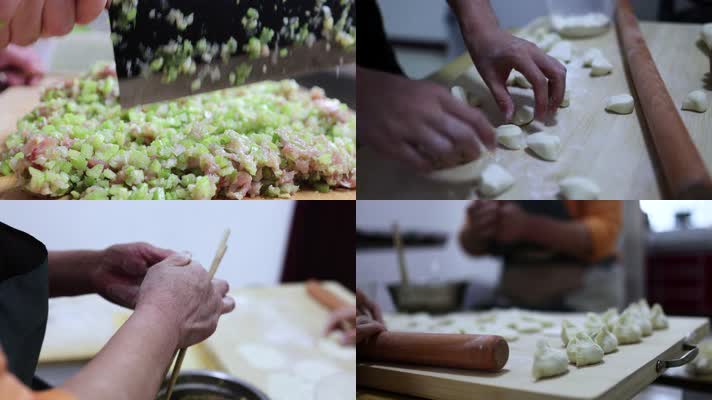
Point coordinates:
[(613, 150), (621, 375), (18, 101), (284, 318)]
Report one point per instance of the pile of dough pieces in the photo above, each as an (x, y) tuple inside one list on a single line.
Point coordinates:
[(493, 178), (508, 323), (600, 335)]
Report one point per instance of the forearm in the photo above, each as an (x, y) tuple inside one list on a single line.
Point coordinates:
[(132, 364), (476, 17), (568, 237), (70, 272)]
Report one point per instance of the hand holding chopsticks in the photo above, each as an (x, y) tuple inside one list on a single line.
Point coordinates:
[(181, 354)]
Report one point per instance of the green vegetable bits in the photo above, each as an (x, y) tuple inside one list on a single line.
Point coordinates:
[(266, 139)]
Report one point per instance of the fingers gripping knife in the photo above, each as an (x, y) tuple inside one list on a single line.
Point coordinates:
[(165, 49)]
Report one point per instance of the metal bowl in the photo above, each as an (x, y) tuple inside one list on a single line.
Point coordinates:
[(210, 385), (437, 298)]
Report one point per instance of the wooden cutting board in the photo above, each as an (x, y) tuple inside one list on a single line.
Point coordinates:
[(276, 335), (18, 101), (621, 375), (612, 150), (78, 328)]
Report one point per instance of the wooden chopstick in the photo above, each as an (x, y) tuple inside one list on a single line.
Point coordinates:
[(680, 162), (181, 354), (401, 256)]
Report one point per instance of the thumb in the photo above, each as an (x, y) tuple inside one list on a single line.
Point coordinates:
[(178, 259), (21, 58), (500, 93), (154, 255)]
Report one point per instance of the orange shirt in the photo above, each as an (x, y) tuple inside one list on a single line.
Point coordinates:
[(12, 389), (603, 219)]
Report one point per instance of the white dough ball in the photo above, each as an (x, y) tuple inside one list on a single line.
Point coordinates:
[(545, 145), (621, 104), (511, 137), (562, 51), (696, 101), (580, 26), (601, 66), (495, 180), (590, 55), (579, 188), (466, 173), (524, 115)]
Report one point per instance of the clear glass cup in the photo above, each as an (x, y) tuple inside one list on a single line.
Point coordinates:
[(593, 15)]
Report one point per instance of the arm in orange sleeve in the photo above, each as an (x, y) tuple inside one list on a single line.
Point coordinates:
[(603, 220), (12, 389)]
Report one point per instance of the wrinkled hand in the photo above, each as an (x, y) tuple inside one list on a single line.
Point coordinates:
[(419, 123), (369, 320), (122, 268), (22, 22), (181, 289), (498, 52), (20, 66), (482, 220), (343, 319), (511, 222)]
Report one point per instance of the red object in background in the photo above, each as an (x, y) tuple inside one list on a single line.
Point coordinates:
[(681, 281), (322, 243)]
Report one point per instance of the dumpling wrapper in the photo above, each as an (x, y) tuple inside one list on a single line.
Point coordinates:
[(658, 317), (511, 137), (545, 145), (548, 361), (582, 350), (627, 330), (568, 331), (606, 340), (579, 188), (517, 79)]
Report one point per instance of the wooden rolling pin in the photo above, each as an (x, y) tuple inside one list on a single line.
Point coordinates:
[(478, 352), (680, 162), (325, 296)]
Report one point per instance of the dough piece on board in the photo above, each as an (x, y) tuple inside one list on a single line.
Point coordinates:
[(580, 26), (511, 137), (707, 35), (601, 66), (517, 79), (524, 115), (548, 361), (590, 55), (566, 102), (545, 145), (696, 101), (495, 180), (579, 188), (621, 104), (562, 51)]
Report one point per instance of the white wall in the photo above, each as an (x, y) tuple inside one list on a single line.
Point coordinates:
[(257, 245), (375, 269), (425, 19)]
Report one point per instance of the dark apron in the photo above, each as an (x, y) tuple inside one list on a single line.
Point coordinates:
[(375, 51), (24, 296), (536, 277)]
